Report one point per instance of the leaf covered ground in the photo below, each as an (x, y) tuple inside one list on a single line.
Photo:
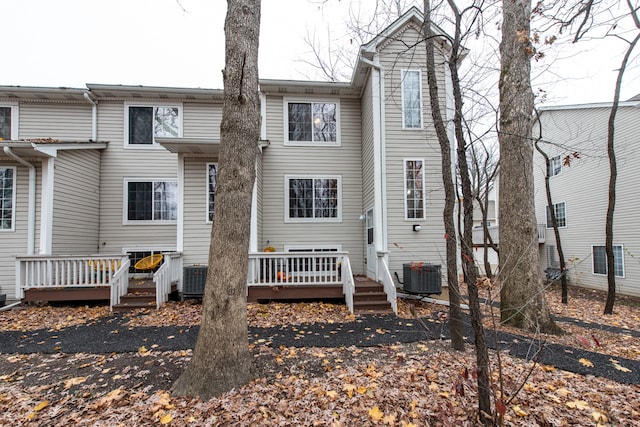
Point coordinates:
[(422, 383)]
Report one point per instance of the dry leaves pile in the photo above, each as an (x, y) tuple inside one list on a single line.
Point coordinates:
[(417, 384)]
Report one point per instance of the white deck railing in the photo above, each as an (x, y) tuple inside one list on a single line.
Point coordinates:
[(170, 272), (348, 284), (295, 268), (387, 282), (478, 234), (119, 283)]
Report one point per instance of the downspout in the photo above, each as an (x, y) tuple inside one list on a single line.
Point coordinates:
[(94, 116), (31, 217)]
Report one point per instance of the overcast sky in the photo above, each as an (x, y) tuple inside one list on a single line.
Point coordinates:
[(180, 43)]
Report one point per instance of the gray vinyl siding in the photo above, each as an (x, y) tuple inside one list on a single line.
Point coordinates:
[(58, 121), (583, 187), (197, 231), (345, 161), (14, 243), (202, 120), (119, 163), (76, 202), (405, 245), (367, 149)]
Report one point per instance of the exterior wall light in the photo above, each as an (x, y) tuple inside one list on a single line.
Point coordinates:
[(416, 227)]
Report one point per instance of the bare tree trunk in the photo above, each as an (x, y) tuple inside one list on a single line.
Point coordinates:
[(521, 295), (221, 359), (455, 315)]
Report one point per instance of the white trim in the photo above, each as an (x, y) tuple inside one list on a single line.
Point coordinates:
[(566, 217), (125, 201), (285, 111), (46, 210), (15, 109), (551, 160), (146, 248), (154, 145), (287, 219), (206, 206), (404, 194), (402, 77), (605, 260), (180, 199), (13, 200), (312, 246)]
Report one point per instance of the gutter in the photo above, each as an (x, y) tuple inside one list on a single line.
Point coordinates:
[(31, 221), (94, 116)]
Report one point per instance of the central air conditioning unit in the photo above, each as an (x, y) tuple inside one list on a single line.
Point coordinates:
[(195, 278), (422, 278)]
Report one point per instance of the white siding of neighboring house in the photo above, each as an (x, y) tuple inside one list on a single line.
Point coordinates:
[(76, 202), (119, 163), (405, 245), (279, 160), (584, 188)]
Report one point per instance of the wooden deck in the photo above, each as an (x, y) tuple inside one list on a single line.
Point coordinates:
[(98, 293), (292, 292)]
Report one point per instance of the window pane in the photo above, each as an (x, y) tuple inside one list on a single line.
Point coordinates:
[(299, 122), (164, 201), (324, 122), (326, 198), (212, 178), (140, 125), (600, 260), (618, 261), (414, 191), (301, 198), (6, 198), (140, 201), (411, 99), (5, 122), (555, 166), (166, 122)]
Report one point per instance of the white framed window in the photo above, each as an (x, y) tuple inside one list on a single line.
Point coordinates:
[(561, 215), (411, 99), (150, 201), (599, 256), (555, 166), (313, 198), (145, 122), (8, 121), (212, 180), (7, 198), (414, 189), (312, 122)]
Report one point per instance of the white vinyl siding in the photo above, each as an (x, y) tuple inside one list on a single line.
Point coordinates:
[(411, 99), (66, 122), (196, 228), (8, 121), (560, 210), (414, 189), (555, 166), (150, 201), (145, 122), (7, 198), (314, 122), (313, 198), (212, 179), (599, 256)]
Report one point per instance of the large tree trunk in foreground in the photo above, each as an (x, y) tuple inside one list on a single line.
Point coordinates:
[(522, 302), (221, 359)]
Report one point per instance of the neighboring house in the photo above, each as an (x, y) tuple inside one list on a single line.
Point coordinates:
[(580, 192), (492, 228), (126, 171)]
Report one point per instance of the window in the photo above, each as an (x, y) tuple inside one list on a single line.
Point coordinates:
[(312, 122), (145, 123), (313, 199), (7, 198), (561, 215), (600, 260), (151, 200), (8, 122), (212, 175), (411, 99), (414, 189), (555, 166)]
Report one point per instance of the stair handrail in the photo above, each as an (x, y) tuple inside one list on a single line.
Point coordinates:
[(348, 283), (119, 282), (387, 282)]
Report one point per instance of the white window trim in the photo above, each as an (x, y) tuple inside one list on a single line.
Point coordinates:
[(15, 114), (566, 217), (13, 200), (154, 145), (206, 202), (404, 193), (313, 247), (285, 109), (287, 219), (559, 157), (402, 73), (601, 274), (125, 202)]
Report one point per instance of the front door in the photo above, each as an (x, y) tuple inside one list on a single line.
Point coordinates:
[(371, 247)]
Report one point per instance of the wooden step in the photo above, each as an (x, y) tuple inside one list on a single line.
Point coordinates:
[(132, 298), (132, 306), (370, 298), (372, 307)]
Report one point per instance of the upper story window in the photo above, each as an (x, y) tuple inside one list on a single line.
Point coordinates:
[(7, 198), (316, 198), (600, 260), (414, 189), (147, 122), (314, 123), (151, 200), (411, 99), (8, 122), (555, 166), (561, 215), (212, 179)]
